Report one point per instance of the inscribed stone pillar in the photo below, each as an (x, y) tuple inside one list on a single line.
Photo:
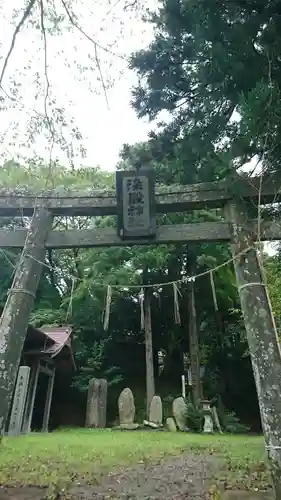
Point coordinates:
[(179, 413), (102, 403), (127, 410), (19, 401), (156, 411), (96, 403)]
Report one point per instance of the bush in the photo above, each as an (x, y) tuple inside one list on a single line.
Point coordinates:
[(229, 421), (232, 424), (194, 417)]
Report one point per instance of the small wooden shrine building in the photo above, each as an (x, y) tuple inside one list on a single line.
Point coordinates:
[(47, 354)]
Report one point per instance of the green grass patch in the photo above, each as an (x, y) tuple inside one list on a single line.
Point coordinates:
[(86, 455)]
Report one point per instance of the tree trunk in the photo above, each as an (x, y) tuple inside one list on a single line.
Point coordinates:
[(193, 333), (14, 319), (262, 337), (150, 384)]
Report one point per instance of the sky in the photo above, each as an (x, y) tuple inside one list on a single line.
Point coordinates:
[(105, 127)]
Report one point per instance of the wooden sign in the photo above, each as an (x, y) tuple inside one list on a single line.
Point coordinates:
[(135, 204)]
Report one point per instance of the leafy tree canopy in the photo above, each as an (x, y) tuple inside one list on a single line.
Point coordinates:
[(214, 66)]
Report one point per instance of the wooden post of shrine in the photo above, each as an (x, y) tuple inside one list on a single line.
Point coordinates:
[(261, 335), (194, 351), (48, 403), (150, 383), (31, 398), (15, 316)]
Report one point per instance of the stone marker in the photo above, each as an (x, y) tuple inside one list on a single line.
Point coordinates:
[(127, 410), (208, 425), (156, 411), (171, 426), (19, 400), (208, 421), (103, 403), (179, 412), (96, 403)]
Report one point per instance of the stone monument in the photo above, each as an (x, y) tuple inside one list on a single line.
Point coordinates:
[(179, 413), (155, 419), (96, 403), (127, 410), (156, 411), (171, 425)]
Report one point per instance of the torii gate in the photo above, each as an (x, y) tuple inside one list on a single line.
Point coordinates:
[(235, 228)]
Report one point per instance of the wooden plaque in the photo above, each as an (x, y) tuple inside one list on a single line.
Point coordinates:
[(135, 193)]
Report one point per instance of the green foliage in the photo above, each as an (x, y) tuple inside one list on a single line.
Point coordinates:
[(194, 417), (51, 317), (229, 421), (37, 177), (232, 424), (216, 72), (94, 367)]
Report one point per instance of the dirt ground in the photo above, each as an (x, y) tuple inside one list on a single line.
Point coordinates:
[(188, 478), (177, 479)]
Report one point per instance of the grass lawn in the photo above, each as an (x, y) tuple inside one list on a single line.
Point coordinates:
[(85, 455)]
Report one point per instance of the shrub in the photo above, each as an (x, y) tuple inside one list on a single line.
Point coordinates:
[(194, 417)]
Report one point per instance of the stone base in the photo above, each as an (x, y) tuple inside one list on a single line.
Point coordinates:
[(152, 424), (127, 427), (140, 428), (146, 428)]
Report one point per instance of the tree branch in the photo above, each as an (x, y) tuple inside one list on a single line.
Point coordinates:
[(76, 25), (101, 75), (96, 46), (16, 32), (46, 97)]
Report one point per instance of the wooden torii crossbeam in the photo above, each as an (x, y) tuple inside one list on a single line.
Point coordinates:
[(234, 227)]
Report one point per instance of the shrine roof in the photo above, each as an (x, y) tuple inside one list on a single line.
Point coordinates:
[(49, 340)]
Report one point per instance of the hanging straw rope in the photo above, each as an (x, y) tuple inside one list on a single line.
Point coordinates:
[(176, 304), (214, 291), (107, 308), (69, 309), (141, 296)]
